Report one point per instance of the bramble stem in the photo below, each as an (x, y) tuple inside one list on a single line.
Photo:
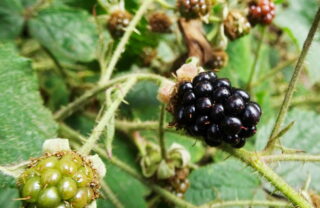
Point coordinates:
[(292, 85), (246, 203), (106, 74), (291, 157), (111, 196), (255, 61), (161, 132), (66, 111), (98, 129), (253, 160)]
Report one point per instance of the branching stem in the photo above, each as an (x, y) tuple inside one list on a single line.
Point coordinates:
[(98, 129), (106, 74), (292, 85)]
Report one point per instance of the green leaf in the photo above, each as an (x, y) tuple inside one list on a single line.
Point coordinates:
[(67, 33), (24, 121), (129, 190), (297, 19), (143, 104), (11, 19), (238, 68), (228, 180), (304, 135), (7, 198)]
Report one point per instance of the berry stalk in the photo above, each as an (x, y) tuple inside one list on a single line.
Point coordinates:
[(265, 171), (292, 85)]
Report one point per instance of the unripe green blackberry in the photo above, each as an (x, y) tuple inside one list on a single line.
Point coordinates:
[(194, 8), (159, 22), (62, 179), (117, 23)]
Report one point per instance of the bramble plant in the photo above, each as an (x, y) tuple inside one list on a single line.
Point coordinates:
[(159, 103)]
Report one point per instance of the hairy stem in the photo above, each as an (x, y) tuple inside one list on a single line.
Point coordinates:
[(161, 132), (68, 110), (255, 61), (108, 114), (265, 171), (246, 203), (111, 196), (292, 85), (72, 134), (291, 157), (106, 74)]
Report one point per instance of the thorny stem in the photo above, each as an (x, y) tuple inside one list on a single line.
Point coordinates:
[(161, 132), (98, 129), (111, 196), (274, 71), (291, 157), (66, 111), (106, 74), (265, 171), (292, 85), (255, 61), (246, 203)]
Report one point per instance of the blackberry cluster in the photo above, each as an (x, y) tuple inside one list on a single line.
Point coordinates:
[(194, 8), (118, 22), (159, 22), (209, 107), (64, 179), (261, 12)]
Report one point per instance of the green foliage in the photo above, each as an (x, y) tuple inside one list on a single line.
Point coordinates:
[(301, 137), (11, 19), (222, 181), (23, 118), (68, 33)]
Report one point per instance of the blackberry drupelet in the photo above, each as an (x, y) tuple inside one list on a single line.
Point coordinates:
[(261, 12), (209, 107)]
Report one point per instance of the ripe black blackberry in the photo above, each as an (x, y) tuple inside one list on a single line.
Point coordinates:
[(261, 12), (191, 9), (211, 108), (117, 23), (159, 22)]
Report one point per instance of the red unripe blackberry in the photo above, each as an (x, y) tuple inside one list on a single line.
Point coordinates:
[(261, 12), (194, 8), (117, 23), (159, 22)]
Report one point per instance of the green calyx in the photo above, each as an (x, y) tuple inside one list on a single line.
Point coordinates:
[(62, 179)]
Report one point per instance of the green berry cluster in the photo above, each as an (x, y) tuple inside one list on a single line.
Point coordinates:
[(60, 180)]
